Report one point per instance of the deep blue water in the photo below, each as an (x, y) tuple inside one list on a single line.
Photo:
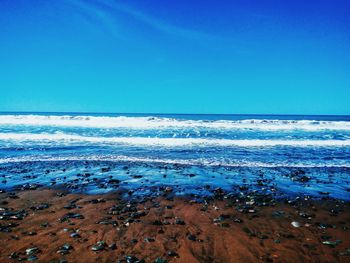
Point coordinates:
[(269, 153)]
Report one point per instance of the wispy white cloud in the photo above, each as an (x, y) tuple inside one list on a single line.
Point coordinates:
[(159, 24), (97, 17), (106, 11)]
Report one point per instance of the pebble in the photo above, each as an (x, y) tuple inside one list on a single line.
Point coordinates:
[(149, 239), (172, 253), (100, 245), (75, 235), (331, 243), (112, 246), (180, 222), (70, 216), (133, 259), (32, 250), (191, 237), (295, 224), (160, 260), (65, 249)]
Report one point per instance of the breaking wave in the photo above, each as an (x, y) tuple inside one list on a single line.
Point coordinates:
[(164, 123), (166, 142)]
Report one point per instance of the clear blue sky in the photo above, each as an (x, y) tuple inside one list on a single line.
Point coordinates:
[(183, 56)]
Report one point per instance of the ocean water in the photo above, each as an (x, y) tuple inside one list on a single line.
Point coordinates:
[(282, 155)]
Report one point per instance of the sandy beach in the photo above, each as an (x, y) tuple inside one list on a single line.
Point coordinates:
[(55, 226)]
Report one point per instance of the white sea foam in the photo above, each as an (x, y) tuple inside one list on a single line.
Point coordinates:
[(164, 142), (197, 162), (170, 123)]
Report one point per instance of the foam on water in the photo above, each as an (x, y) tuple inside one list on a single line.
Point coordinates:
[(189, 162), (164, 123), (167, 142)]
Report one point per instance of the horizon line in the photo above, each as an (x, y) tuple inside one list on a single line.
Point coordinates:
[(153, 113)]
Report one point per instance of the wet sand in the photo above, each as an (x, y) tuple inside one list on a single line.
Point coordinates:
[(45, 225)]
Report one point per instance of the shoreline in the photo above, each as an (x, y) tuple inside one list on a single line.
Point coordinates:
[(58, 225)]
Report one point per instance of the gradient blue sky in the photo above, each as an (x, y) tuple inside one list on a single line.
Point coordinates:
[(175, 56)]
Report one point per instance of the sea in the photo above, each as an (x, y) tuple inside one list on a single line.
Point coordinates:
[(286, 156)]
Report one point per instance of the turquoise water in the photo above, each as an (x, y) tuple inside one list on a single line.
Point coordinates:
[(282, 155)]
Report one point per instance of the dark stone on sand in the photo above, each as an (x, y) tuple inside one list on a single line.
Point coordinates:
[(75, 235), (114, 181), (191, 237), (70, 206), (40, 207), (97, 201), (132, 259), (157, 223), (180, 222), (32, 258), (160, 260), (237, 220), (30, 233), (70, 216), (100, 245), (172, 253), (112, 246), (149, 239), (32, 251), (5, 229), (331, 243), (65, 249), (13, 215), (108, 222), (278, 214)]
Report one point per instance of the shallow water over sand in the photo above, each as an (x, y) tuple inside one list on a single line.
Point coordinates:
[(194, 154)]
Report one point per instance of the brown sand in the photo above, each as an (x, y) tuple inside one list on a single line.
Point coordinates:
[(264, 236)]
